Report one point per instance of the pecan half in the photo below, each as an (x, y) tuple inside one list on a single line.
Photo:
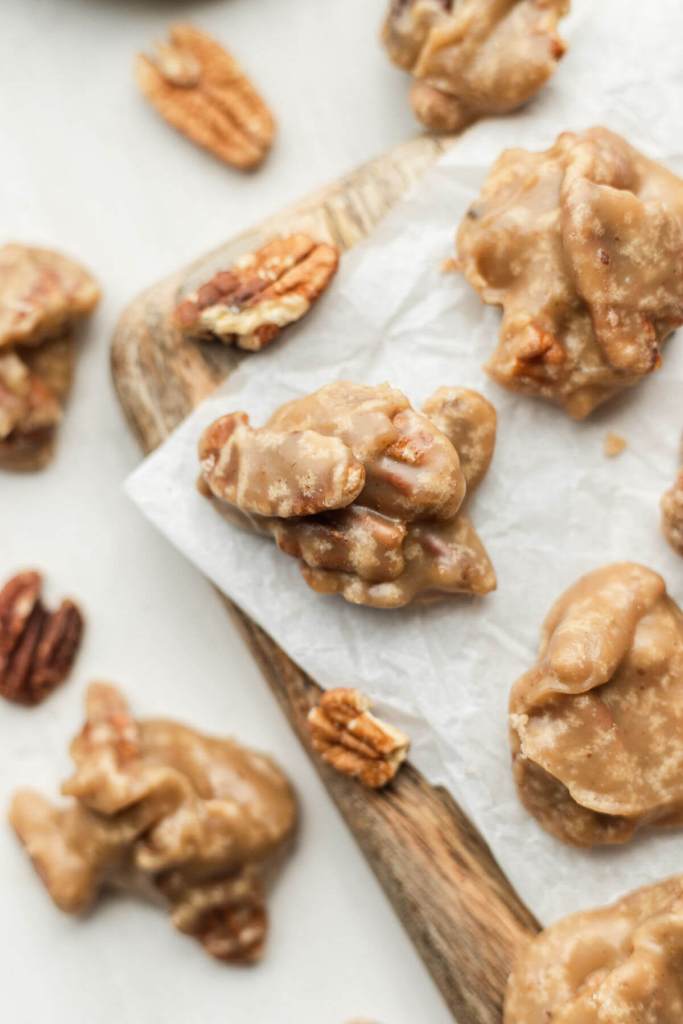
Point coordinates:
[(348, 737), (249, 303), (200, 89), (37, 647), (269, 473)]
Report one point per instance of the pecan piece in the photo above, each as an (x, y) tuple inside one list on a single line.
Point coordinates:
[(270, 473), (250, 303), (473, 59), (351, 739), (37, 647), (469, 422), (200, 89), (355, 540), (581, 246)]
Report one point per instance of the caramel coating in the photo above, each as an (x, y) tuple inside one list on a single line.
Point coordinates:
[(197, 821), (581, 245), (362, 489), (672, 514), (470, 58), (621, 964), (597, 725)]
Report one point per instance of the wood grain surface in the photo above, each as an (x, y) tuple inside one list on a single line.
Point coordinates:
[(459, 909)]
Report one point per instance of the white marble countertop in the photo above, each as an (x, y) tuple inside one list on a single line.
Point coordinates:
[(88, 167)]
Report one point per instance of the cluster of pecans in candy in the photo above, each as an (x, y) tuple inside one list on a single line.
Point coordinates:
[(608, 684), (615, 965), (364, 490), (581, 246), (249, 303), (43, 295), (473, 59), (200, 89), (37, 647), (201, 823)]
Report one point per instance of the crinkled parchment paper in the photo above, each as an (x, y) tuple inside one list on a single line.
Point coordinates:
[(552, 506)]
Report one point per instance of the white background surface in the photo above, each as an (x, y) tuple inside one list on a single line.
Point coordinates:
[(86, 166)]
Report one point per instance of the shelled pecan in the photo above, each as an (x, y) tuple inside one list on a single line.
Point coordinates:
[(199, 822), (249, 303), (37, 647), (351, 739), (200, 89)]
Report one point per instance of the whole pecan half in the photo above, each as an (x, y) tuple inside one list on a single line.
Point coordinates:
[(201, 90), (37, 647), (249, 303)]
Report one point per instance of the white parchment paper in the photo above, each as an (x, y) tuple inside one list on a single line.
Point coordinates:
[(551, 508)]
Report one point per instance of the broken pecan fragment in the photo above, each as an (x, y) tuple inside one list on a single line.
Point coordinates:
[(364, 490), (672, 514), (37, 647), (250, 303), (200, 89), (474, 58), (581, 245), (157, 807), (350, 738)]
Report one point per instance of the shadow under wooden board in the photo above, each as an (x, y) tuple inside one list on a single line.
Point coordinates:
[(461, 912)]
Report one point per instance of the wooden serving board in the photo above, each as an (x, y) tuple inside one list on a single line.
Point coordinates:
[(461, 912)]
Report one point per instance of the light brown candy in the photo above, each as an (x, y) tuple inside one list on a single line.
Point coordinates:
[(469, 421), (581, 246), (672, 514), (473, 58), (617, 965), (274, 473), (402, 534), (156, 806), (597, 725)]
